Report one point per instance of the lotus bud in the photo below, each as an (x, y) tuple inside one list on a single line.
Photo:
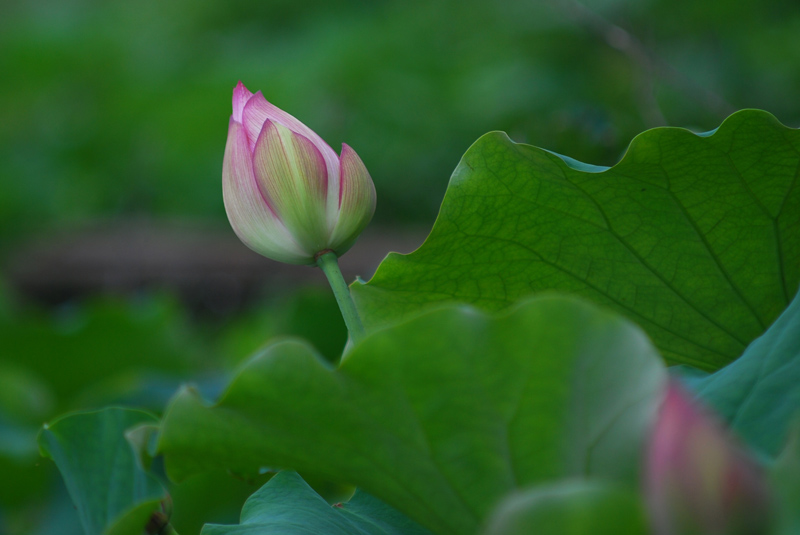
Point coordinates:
[(287, 194), (699, 479)]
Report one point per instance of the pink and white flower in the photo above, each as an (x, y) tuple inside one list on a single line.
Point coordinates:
[(287, 194)]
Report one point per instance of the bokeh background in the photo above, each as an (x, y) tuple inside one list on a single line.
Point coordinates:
[(119, 277)]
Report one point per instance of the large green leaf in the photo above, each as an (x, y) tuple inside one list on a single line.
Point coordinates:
[(571, 507), (759, 394), (112, 493), (441, 416), (287, 505), (695, 238)]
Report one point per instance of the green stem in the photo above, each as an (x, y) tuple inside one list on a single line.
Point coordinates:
[(329, 265)]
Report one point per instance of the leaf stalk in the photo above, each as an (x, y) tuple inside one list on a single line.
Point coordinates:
[(328, 263)]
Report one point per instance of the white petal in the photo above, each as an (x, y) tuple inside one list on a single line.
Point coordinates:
[(356, 201), (248, 210), (291, 172), (258, 110)]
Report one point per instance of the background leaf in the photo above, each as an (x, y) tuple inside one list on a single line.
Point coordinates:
[(759, 394), (570, 507), (785, 475), (695, 238), (441, 416), (286, 504), (112, 493), (84, 345)]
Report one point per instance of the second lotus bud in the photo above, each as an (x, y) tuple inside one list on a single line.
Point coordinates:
[(699, 479)]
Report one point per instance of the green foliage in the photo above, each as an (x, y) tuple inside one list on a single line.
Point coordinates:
[(24, 401), (82, 355), (23, 481), (759, 393), (440, 416), (571, 507), (309, 313), (133, 353), (212, 497), (113, 494), (786, 480), (286, 504), (695, 238), (116, 109), (519, 415), (86, 345)]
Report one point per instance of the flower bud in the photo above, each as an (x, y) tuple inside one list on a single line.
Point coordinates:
[(287, 194), (699, 479)]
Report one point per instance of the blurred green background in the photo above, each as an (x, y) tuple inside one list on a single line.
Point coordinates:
[(115, 113)]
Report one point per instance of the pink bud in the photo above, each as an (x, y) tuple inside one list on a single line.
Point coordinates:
[(698, 478), (287, 194)]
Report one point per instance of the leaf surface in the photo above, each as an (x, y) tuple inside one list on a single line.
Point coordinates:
[(759, 393), (286, 504), (439, 417), (570, 507), (696, 238), (112, 493)]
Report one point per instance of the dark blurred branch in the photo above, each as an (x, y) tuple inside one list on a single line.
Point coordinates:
[(649, 63), (207, 266)]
